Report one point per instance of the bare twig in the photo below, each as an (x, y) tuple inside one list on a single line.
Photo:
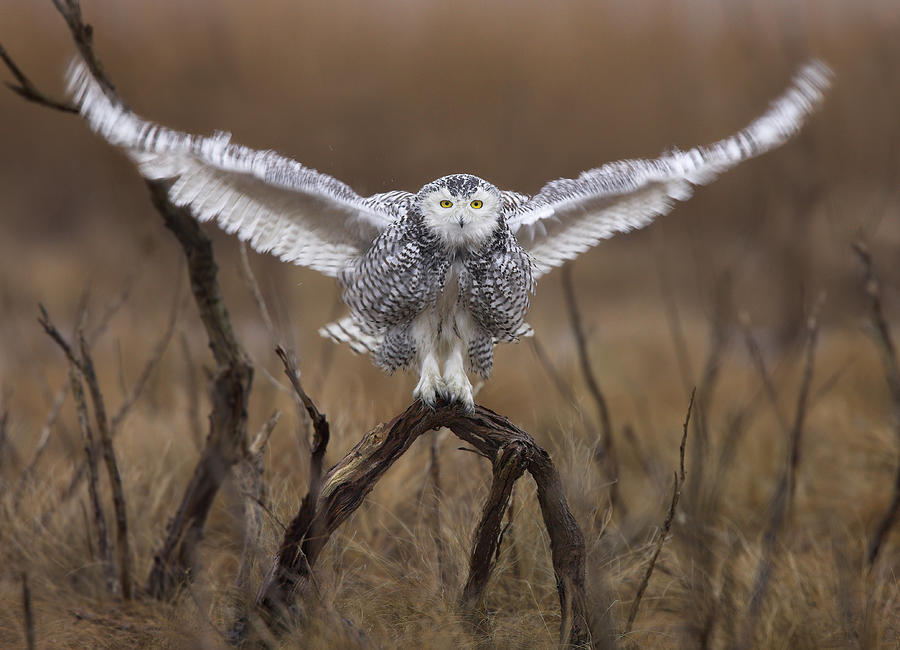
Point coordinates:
[(76, 372), (28, 90), (781, 501), (709, 378), (28, 615), (43, 439), (319, 422), (760, 363), (250, 480), (111, 309), (87, 437), (112, 468), (156, 355), (673, 317), (83, 35), (59, 339), (605, 451), (250, 279), (892, 376), (812, 332), (678, 482), (561, 385)]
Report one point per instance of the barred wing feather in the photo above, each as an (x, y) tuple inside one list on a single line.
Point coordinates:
[(276, 204), (568, 216)]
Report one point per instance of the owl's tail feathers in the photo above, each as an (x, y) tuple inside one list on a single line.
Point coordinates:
[(347, 331)]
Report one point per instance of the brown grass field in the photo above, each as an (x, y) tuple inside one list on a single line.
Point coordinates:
[(391, 95)]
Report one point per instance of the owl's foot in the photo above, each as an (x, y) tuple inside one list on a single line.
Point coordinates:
[(457, 389), (429, 388)]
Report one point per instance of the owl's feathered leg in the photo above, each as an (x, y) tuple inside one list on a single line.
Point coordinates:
[(457, 387), (430, 383)]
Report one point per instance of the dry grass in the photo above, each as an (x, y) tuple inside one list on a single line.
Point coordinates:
[(606, 82)]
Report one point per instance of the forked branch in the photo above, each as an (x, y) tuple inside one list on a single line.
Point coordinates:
[(512, 451)]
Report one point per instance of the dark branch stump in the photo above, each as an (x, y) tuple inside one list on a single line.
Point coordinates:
[(343, 489)]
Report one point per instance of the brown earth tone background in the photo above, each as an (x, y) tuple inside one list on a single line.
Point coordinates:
[(390, 95)]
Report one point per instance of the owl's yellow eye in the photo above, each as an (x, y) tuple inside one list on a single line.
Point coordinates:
[(446, 204), (476, 204)]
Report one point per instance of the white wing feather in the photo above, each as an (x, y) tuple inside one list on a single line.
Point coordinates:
[(274, 203), (568, 216)]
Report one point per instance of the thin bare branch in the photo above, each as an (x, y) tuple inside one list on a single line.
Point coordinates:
[(59, 339), (605, 451), (562, 386), (76, 372), (759, 362), (673, 317), (250, 279), (782, 499), (677, 484), (112, 467), (87, 437), (892, 376), (319, 421), (812, 333), (28, 90), (156, 355), (43, 439)]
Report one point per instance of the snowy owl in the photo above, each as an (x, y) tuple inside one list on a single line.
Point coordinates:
[(432, 279)]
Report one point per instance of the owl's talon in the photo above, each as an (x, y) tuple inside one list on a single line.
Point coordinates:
[(428, 389), (456, 389)]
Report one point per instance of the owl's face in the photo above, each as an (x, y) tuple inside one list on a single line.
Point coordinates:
[(461, 209)]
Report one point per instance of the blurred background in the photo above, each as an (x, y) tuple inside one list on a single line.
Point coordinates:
[(390, 95)]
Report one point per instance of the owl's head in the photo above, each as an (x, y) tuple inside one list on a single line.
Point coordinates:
[(463, 210)]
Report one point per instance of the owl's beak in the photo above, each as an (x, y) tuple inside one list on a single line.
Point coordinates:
[(461, 222)]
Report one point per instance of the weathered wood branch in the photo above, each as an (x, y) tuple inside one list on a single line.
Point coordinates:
[(509, 465), (227, 437), (512, 451)]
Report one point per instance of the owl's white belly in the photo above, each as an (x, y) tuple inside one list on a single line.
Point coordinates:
[(441, 334)]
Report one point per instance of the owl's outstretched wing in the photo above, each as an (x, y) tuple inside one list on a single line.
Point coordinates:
[(568, 216), (274, 203)]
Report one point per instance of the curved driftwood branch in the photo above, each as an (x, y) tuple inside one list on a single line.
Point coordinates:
[(511, 450)]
